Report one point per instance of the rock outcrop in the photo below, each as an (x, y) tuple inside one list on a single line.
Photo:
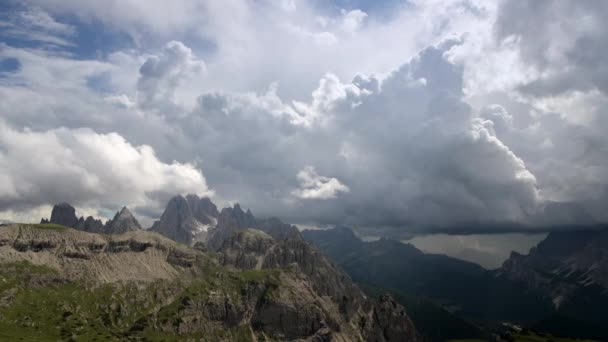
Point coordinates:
[(64, 214), (369, 321), (229, 222), (77, 255), (122, 222), (568, 267), (186, 220), (233, 220), (90, 224)]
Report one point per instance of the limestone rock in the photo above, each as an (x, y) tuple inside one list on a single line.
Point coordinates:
[(64, 214), (186, 220), (122, 222)]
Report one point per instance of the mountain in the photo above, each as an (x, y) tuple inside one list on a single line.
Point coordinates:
[(254, 249), (187, 219), (233, 220), (64, 214), (122, 222), (90, 224), (434, 322), (58, 283), (393, 264), (462, 287), (559, 287), (570, 268), (563, 262)]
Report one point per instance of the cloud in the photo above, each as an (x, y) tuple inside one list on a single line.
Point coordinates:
[(409, 149), (30, 23), (313, 186), (441, 115), (87, 169), (564, 40), (352, 20), (161, 75)]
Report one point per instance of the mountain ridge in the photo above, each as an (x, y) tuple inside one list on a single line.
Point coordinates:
[(160, 288), (563, 276), (64, 214)]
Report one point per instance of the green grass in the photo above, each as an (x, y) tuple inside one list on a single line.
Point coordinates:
[(50, 226), (76, 311)]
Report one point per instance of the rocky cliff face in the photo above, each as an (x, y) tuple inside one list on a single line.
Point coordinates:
[(61, 284), (74, 254), (65, 215), (368, 321), (122, 222), (233, 220), (229, 222), (90, 224), (203, 210), (570, 267), (187, 220)]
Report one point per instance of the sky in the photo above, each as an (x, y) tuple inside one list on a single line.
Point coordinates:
[(487, 250), (449, 116)]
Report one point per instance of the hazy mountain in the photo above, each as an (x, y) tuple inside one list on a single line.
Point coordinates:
[(187, 219), (64, 214), (461, 286), (562, 280), (393, 264), (63, 284), (233, 220), (122, 222), (571, 269), (90, 224)]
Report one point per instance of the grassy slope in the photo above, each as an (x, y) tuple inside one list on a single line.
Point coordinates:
[(36, 306), (50, 226)]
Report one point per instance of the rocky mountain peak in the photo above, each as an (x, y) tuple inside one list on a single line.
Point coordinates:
[(123, 221), (569, 268), (90, 224), (255, 250), (187, 219), (64, 214), (202, 209), (233, 219)]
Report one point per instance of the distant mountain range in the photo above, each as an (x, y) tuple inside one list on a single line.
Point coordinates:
[(64, 214), (245, 279), (561, 286)]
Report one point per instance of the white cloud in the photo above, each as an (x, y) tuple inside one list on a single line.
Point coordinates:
[(161, 75), (87, 169), (352, 20), (35, 24), (314, 186)]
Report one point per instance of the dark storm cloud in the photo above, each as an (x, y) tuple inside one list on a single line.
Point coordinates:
[(408, 151)]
